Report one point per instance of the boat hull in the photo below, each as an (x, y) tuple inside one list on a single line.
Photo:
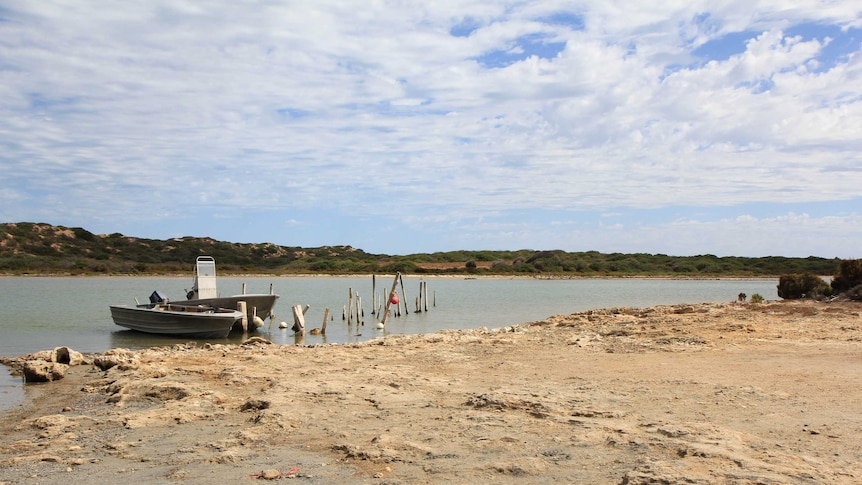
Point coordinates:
[(176, 320), (257, 304)]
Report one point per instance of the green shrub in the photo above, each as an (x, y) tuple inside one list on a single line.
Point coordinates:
[(849, 275), (805, 285), (757, 298)]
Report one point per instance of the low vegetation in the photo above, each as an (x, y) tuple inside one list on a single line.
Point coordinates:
[(805, 285), (37, 248), (846, 283)]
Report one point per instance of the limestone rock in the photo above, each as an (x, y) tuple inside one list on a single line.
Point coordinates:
[(44, 371), (65, 355), (115, 357)]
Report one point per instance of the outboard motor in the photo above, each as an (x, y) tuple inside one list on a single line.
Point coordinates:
[(158, 297)]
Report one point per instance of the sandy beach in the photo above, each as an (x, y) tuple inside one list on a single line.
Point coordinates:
[(709, 393)]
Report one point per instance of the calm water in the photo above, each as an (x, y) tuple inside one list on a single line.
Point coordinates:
[(38, 313)]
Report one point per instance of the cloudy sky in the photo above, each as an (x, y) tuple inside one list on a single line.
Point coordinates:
[(402, 127)]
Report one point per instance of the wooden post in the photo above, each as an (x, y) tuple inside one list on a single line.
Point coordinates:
[(298, 319), (373, 292), (426, 296), (350, 307), (389, 299), (241, 306), (325, 317), (403, 295)]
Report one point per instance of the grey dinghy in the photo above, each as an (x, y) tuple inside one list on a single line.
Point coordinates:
[(179, 320)]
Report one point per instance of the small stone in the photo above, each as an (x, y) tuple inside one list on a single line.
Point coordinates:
[(254, 405), (270, 474)]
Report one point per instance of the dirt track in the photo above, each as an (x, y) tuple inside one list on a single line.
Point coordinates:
[(712, 393)]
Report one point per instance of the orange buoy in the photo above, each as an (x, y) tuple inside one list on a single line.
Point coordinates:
[(393, 299)]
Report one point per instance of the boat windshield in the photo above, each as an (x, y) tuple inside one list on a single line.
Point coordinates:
[(205, 277)]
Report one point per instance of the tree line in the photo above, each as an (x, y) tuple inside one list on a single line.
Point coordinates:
[(39, 248)]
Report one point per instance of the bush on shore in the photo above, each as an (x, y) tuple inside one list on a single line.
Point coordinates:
[(805, 285), (846, 282), (848, 277)]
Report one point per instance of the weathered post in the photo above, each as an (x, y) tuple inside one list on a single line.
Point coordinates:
[(325, 318), (242, 306), (358, 309), (389, 300), (298, 319), (373, 292), (350, 307), (403, 295)]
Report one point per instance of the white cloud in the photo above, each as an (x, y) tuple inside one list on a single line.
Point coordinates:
[(791, 234), (116, 108)]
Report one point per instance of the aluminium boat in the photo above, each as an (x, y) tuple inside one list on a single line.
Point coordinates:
[(161, 317)]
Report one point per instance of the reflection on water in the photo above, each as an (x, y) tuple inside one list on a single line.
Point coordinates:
[(11, 389)]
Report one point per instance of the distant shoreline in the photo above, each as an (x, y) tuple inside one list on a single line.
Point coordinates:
[(392, 275)]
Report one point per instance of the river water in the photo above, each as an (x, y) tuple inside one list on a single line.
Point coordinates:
[(40, 313)]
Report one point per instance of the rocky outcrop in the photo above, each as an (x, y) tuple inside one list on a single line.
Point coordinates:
[(47, 365), (44, 371)]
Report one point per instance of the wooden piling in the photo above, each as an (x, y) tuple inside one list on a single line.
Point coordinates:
[(242, 306), (389, 299), (358, 309), (325, 318), (350, 307), (298, 319), (373, 292), (403, 295)]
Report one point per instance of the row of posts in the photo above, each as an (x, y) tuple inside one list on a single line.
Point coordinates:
[(353, 311)]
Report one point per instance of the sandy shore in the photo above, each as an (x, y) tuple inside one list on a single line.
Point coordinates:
[(710, 393)]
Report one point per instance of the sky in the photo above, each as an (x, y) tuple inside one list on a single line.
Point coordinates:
[(399, 127)]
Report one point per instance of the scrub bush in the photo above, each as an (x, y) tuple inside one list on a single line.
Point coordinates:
[(849, 275), (805, 285)]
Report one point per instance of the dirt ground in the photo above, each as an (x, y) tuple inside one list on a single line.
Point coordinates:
[(710, 393)]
